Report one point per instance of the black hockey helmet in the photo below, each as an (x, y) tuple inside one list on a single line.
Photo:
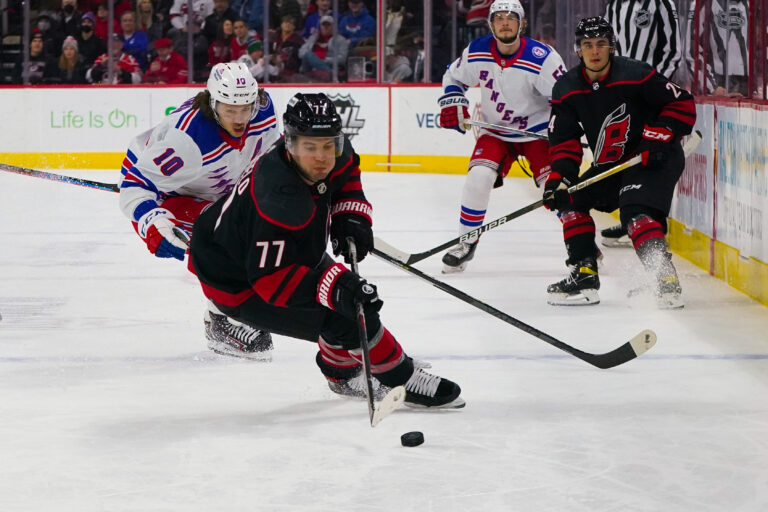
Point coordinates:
[(311, 115), (593, 27)]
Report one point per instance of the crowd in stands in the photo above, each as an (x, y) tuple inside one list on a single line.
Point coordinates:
[(307, 40)]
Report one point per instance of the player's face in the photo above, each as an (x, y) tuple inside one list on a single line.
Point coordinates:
[(234, 118), (316, 156), (505, 26), (596, 53)]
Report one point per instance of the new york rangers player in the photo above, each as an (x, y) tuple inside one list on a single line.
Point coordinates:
[(175, 170), (515, 75)]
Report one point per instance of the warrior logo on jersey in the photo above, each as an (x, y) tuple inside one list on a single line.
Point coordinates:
[(642, 19), (349, 111), (613, 136)]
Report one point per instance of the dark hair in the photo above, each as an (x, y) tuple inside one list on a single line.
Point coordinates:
[(202, 101)]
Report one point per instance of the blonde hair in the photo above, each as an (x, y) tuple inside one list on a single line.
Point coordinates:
[(144, 20)]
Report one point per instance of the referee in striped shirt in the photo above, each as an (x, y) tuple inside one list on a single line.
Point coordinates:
[(646, 30)]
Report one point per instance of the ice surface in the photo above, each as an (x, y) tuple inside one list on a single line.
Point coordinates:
[(110, 401)]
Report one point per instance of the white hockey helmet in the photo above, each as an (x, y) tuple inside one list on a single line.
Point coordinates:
[(232, 83), (506, 6)]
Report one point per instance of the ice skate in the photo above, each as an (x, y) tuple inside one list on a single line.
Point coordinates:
[(615, 236), (230, 338), (656, 258), (424, 390), (354, 387), (579, 288), (456, 259)]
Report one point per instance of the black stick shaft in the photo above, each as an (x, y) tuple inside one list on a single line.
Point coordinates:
[(620, 355)]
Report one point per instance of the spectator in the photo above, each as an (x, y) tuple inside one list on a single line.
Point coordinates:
[(71, 66), (285, 44), (239, 45), (221, 12), (148, 21), (42, 65), (322, 50), (357, 24), (169, 67), (254, 59), (50, 33), (220, 50), (199, 48), (135, 42), (126, 68), (69, 17), (89, 44), (202, 8), (287, 8), (102, 22), (252, 11), (312, 23)]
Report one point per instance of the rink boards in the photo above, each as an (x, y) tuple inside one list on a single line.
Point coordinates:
[(719, 215)]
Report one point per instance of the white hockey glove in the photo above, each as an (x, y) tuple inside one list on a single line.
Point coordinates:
[(454, 111), (156, 228)]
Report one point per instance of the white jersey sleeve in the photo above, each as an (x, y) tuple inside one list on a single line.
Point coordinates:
[(459, 76), (166, 159)]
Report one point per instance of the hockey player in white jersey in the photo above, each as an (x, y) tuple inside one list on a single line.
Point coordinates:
[(194, 156), (515, 74)]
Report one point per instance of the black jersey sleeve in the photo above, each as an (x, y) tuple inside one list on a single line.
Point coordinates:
[(675, 106), (565, 153)]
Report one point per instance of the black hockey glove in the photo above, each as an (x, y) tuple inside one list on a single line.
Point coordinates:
[(655, 145), (556, 196), (341, 290), (345, 224)]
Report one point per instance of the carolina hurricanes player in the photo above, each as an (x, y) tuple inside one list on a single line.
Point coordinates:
[(260, 255), (624, 107), (194, 156), (515, 74)]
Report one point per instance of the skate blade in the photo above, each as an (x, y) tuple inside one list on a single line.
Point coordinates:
[(623, 242), (456, 403), (263, 357), (586, 297), (670, 301), (447, 269)]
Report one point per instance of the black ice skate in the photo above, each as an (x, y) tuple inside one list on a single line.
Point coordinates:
[(579, 288), (430, 391), (230, 338), (616, 236), (457, 258)]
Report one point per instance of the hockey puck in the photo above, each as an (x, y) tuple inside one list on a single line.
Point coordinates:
[(412, 439)]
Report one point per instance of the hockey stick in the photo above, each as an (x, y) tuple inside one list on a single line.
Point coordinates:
[(111, 187), (396, 396), (501, 127), (635, 347), (688, 148)]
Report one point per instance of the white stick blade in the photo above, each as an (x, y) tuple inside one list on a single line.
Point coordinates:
[(391, 402), (387, 249), (643, 342)]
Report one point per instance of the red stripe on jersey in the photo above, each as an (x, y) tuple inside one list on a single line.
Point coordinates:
[(267, 286), (344, 168), (189, 118), (622, 82), (275, 221), (569, 149), (684, 111), (226, 298), (290, 287)]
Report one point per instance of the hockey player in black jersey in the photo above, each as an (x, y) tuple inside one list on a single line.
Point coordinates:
[(624, 107), (260, 255)]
